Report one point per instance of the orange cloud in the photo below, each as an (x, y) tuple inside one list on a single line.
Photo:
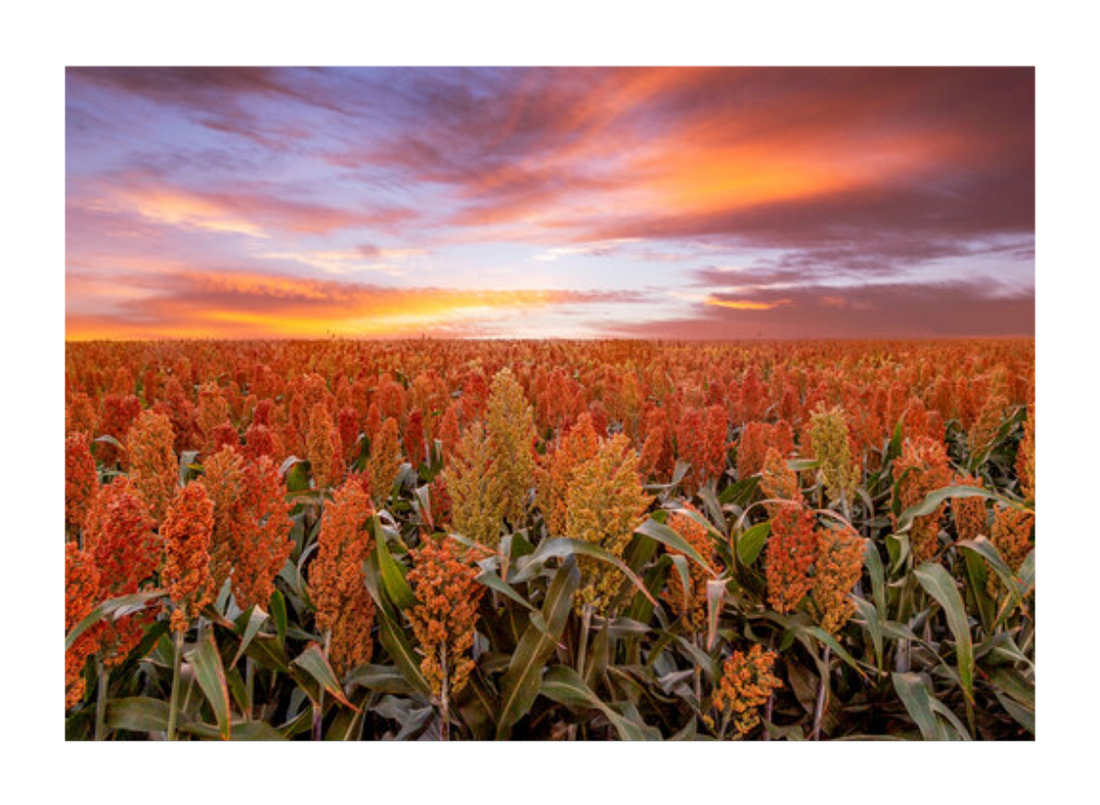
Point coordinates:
[(258, 212), (611, 158), (253, 305), (724, 166), (192, 210), (744, 304), (796, 175)]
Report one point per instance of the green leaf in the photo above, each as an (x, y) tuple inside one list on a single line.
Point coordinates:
[(314, 663), (390, 632), (1027, 571), (924, 708), (393, 576), (713, 507), (978, 577), (641, 608), (278, 614), (494, 582), (1014, 684), (561, 547), (870, 616), (709, 665), (138, 714), (751, 542), (828, 640), (680, 564), (980, 546), (379, 678), (206, 662), (670, 539), (520, 685), (563, 685), (108, 439), (897, 546), (800, 464), (268, 652), (918, 702), (873, 562), (716, 591), (938, 584), (256, 731), (424, 505), (740, 492), (399, 650), (894, 450), (256, 619), (933, 500), (297, 478), (117, 607)]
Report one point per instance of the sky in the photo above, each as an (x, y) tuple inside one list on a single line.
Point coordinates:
[(699, 203)]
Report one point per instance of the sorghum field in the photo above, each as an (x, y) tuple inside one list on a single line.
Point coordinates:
[(609, 540)]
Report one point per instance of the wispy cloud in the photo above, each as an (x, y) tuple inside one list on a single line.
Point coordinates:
[(900, 310), (726, 184), (246, 304)]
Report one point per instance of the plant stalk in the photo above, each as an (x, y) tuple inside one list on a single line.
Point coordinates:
[(173, 704), (319, 705), (444, 698), (101, 701), (249, 686), (582, 649), (822, 690)]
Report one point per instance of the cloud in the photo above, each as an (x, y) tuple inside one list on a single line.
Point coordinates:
[(755, 156), (746, 304), (789, 197), (235, 303), (888, 310), (763, 155), (258, 211), (216, 98)]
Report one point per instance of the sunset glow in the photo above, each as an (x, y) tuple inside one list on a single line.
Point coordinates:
[(561, 202)]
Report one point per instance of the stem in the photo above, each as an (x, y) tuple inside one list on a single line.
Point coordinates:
[(101, 702), (582, 650), (249, 685), (503, 566), (768, 716), (173, 704), (444, 701), (698, 674), (823, 688), (315, 733), (771, 699), (319, 705)]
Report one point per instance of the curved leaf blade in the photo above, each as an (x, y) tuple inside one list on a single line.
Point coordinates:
[(393, 575), (938, 584), (210, 674), (138, 714), (918, 703), (670, 539), (933, 499), (495, 582), (751, 542), (256, 619), (562, 547), (564, 686), (314, 663), (128, 603), (520, 685)]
